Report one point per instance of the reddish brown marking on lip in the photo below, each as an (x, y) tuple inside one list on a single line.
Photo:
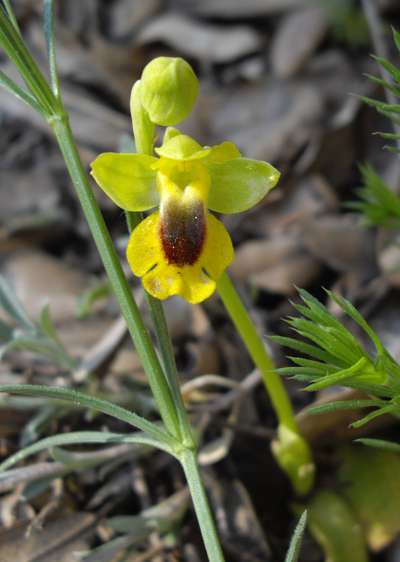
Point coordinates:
[(182, 231)]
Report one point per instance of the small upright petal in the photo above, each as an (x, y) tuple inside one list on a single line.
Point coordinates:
[(239, 184), (181, 147), (128, 179)]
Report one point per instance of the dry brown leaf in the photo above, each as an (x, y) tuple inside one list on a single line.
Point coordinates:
[(57, 541)]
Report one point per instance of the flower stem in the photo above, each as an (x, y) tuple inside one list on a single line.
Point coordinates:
[(166, 350), (201, 506), (291, 450), (120, 286), (140, 336), (257, 350)]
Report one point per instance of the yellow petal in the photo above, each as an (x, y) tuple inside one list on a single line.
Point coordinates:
[(163, 281), (144, 248), (218, 250), (196, 286), (189, 282)]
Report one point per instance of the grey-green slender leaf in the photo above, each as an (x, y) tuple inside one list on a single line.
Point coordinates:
[(297, 537), (344, 405), (18, 92), (9, 301), (11, 15), (15, 48), (380, 444), (83, 400), (48, 19), (79, 438)]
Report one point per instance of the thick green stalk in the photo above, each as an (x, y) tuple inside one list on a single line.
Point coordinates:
[(120, 286), (201, 506), (291, 450), (256, 348)]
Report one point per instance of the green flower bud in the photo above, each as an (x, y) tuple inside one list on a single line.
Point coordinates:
[(293, 455), (169, 90)]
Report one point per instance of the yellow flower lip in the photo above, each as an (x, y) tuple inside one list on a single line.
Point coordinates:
[(182, 231), (163, 277)]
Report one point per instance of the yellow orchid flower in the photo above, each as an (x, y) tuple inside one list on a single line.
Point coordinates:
[(181, 249)]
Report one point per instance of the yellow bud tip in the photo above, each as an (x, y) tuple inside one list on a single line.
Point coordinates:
[(169, 89)]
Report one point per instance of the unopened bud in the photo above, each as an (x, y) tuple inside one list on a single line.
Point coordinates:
[(169, 90)]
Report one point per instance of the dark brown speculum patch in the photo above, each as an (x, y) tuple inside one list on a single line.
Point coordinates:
[(182, 231)]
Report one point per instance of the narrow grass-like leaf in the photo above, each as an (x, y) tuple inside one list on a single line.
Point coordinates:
[(393, 149), (302, 362), (375, 414), (18, 92), (296, 540), (390, 67), (16, 50), (378, 203), (351, 311), (301, 373), (384, 83), (11, 304), (80, 438), (390, 136), (394, 118), (396, 37), (305, 348), (383, 391), (343, 405), (382, 106), (80, 399), (328, 339), (39, 345), (48, 19), (11, 15), (320, 313), (340, 376), (380, 444)]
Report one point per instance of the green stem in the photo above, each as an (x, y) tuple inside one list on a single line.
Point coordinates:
[(201, 506), (120, 286), (166, 350), (290, 449), (256, 348)]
